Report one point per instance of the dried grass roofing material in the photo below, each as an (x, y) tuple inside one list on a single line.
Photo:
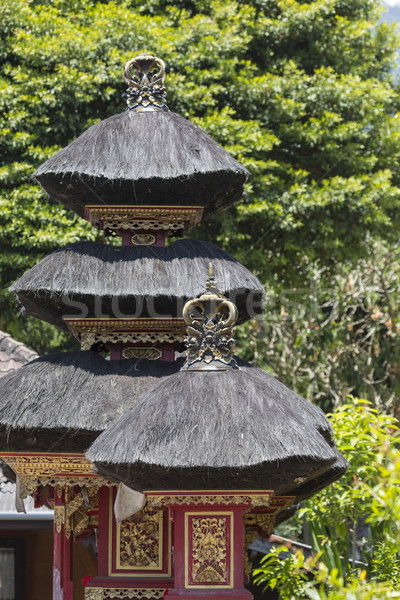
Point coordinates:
[(143, 158), (233, 429), (13, 354), (62, 401), (132, 279)]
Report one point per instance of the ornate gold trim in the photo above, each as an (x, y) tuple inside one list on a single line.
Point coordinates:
[(88, 340), (150, 218), (92, 331), (92, 593), (57, 470), (169, 228), (264, 522), (250, 499), (143, 239), (148, 352), (73, 514), (280, 502), (79, 326), (59, 517)]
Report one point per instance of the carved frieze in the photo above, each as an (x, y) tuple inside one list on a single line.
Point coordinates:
[(56, 470), (140, 540), (123, 593), (209, 551)]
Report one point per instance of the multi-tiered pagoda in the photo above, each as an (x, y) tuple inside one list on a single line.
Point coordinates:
[(192, 457)]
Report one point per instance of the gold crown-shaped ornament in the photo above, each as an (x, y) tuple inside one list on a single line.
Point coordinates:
[(210, 319), (145, 76)]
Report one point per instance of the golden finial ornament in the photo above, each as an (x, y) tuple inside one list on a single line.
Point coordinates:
[(145, 76), (210, 319)]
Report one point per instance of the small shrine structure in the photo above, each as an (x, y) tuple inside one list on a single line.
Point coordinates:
[(187, 459)]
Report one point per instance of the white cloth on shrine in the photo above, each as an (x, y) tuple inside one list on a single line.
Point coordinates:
[(127, 503)]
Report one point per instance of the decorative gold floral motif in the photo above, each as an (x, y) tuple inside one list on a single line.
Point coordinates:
[(209, 550), (140, 540), (56, 470), (170, 229), (94, 593), (142, 331), (251, 500), (143, 239), (59, 517), (145, 325), (73, 514), (88, 340), (261, 523), (144, 218), (148, 352), (280, 502), (123, 593)]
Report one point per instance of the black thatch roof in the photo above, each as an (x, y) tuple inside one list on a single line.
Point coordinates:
[(61, 402), (143, 158), (233, 429), (143, 278)]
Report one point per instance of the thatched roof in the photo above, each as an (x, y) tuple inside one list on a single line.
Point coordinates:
[(13, 354), (144, 278), (232, 429), (143, 158), (61, 402)]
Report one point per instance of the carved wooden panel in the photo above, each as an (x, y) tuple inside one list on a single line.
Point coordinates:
[(209, 549)]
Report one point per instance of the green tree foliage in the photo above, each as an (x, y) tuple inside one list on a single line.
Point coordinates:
[(330, 338), (300, 92), (368, 494)]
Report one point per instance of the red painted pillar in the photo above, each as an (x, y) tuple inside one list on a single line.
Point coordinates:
[(62, 557)]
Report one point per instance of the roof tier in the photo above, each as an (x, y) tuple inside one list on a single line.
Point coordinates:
[(92, 279), (219, 423), (143, 158), (62, 401), (223, 429)]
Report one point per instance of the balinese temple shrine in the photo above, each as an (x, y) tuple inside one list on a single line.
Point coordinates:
[(168, 464)]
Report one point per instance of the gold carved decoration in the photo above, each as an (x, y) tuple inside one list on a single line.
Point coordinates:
[(140, 540), (59, 517), (210, 319), (148, 352), (73, 514), (262, 523), (146, 91), (88, 340), (251, 499), (123, 593), (170, 229), (143, 239), (92, 331), (174, 219), (209, 550), (57, 470)]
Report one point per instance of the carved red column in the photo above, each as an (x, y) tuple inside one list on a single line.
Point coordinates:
[(62, 558)]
